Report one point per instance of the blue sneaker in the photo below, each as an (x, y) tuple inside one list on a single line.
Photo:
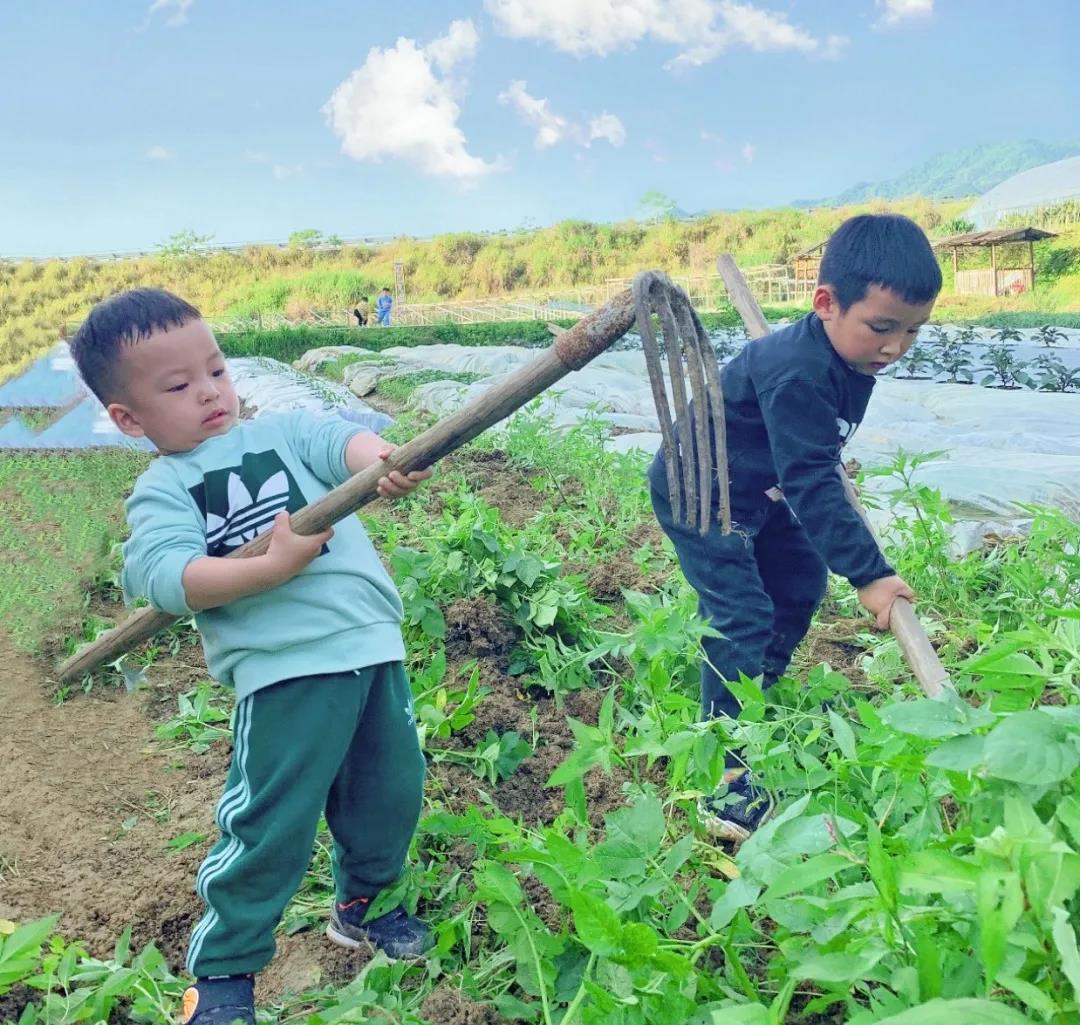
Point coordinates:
[(397, 934), (737, 809), (220, 1000)]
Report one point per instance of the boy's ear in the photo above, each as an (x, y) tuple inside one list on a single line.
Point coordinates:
[(125, 420), (825, 303)]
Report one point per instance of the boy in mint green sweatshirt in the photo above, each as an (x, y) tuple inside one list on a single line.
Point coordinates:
[(308, 634)]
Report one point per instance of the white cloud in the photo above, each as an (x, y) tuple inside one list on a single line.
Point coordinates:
[(576, 26), (608, 127), (897, 11), (700, 29), (177, 11), (459, 44), (397, 105), (552, 128), (160, 153), (749, 151)]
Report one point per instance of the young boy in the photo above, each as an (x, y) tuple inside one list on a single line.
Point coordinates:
[(383, 305), (792, 400), (308, 634)]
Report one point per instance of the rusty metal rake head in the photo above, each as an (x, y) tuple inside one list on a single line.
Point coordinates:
[(694, 445)]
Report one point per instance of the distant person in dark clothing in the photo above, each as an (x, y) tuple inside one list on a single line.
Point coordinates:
[(382, 307), (362, 312), (792, 400)]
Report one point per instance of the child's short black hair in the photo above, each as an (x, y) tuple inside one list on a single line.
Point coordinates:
[(363, 298), (880, 249), (123, 319)]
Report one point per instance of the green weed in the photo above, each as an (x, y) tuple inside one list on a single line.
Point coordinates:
[(400, 387)]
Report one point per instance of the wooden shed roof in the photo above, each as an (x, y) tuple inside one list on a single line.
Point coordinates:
[(999, 236), (811, 251)]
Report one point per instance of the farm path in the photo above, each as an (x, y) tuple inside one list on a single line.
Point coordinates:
[(86, 809)]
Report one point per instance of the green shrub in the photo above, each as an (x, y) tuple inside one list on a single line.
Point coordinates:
[(289, 343), (1025, 319)]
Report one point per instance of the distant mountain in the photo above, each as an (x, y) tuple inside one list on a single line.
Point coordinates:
[(966, 172)]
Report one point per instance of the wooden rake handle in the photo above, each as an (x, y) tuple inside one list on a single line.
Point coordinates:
[(904, 624), (570, 351)]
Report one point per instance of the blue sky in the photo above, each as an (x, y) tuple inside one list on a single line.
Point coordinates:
[(127, 120)]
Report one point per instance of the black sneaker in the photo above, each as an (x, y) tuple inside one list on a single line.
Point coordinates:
[(737, 809), (397, 934), (220, 1000)]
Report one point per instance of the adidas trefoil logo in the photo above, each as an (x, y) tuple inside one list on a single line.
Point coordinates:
[(247, 517)]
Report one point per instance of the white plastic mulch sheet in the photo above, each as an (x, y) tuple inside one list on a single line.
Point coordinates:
[(268, 385), (80, 421), (997, 449)]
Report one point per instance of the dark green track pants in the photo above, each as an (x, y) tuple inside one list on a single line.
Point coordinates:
[(344, 743)]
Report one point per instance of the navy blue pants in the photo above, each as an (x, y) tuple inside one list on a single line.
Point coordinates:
[(758, 586)]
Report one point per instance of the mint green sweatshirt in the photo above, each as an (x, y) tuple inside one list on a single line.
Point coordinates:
[(341, 612)]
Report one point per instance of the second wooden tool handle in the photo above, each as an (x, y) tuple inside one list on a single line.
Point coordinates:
[(919, 652), (905, 625)]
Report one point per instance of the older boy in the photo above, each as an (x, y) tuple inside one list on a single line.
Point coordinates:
[(308, 634), (792, 401)]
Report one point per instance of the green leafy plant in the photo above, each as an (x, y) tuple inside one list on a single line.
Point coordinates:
[(1007, 370), (496, 757), (202, 719), (918, 363), (1049, 335), (1054, 375), (951, 354)]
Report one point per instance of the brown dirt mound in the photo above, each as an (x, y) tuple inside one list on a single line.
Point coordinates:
[(481, 466), (475, 628), (449, 1006), (835, 641), (305, 961), (608, 580), (13, 1002), (492, 477)]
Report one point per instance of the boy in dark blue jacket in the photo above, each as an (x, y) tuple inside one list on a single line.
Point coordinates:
[(792, 400)]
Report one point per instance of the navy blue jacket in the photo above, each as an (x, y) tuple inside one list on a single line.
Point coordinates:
[(791, 403)]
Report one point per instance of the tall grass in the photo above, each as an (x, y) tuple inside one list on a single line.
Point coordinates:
[(40, 301)]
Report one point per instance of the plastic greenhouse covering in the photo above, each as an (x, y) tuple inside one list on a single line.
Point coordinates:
[(1025, 192)]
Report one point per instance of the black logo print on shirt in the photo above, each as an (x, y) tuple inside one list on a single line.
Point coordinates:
[(240, 502)]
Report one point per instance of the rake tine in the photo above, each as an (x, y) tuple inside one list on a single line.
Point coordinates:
[(690, 325), (643, 285), (682, 362), (676, 372)]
